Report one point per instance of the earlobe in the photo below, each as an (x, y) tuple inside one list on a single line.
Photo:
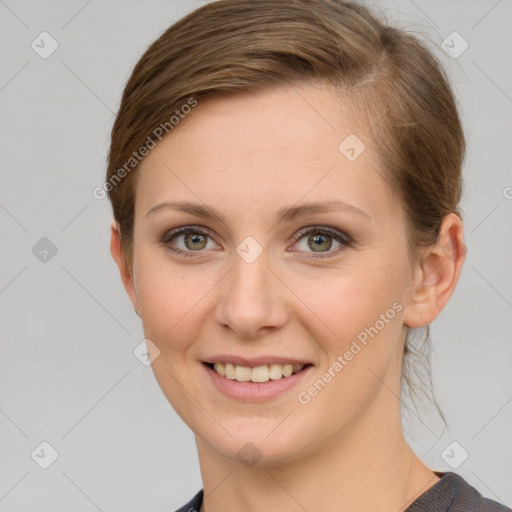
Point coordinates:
[(438, 275), (124, 270)]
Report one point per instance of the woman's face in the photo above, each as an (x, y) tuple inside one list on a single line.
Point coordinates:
[(258, 285)]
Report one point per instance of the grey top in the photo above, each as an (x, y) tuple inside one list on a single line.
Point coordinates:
[(450, 494)]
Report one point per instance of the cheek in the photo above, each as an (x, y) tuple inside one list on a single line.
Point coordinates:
[(357, 324), (170, 298), (360, 348), (346, 300), (172, 301)]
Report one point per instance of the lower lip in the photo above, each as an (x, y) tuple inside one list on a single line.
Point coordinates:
[(255, 391)]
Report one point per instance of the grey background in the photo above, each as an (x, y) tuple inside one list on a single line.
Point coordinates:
[(68, 375)]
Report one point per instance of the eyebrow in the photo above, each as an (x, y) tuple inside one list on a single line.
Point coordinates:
[(285, 214)]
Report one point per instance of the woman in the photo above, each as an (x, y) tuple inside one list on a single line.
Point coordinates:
[(285, 180)]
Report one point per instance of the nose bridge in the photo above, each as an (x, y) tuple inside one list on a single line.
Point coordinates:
[(250, 280), (250, 298)]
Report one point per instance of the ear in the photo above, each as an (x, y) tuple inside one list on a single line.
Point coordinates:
[(438, 274), (124, 270)]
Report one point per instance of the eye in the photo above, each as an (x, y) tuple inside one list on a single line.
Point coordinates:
[(319, 239), (193, 239), (188, 240)]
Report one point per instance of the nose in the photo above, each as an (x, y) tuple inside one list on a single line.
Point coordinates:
[(252, 299)]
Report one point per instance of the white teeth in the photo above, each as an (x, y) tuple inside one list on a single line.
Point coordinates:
[(262, 373), (243, 373), (229, 370), (220, 369), (287, 370), (275, 371)]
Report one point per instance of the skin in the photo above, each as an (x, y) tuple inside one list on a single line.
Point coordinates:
[(247, 156)]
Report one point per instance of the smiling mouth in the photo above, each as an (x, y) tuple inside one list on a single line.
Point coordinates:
[(262, 373)]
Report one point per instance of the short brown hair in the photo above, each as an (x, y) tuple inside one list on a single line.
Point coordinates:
[(390, 78)]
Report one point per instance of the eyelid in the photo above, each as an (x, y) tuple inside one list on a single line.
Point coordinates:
[(343, 238), (165, 240), (333, 232), (168, 235)]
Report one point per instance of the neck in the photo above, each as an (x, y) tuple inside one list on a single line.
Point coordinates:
[(367, 466)]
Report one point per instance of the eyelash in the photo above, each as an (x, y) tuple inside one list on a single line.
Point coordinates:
[(342, 238)]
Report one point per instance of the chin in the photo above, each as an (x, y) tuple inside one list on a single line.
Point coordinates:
[(261, 442)]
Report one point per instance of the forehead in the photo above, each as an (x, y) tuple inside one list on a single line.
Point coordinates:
[(252, 151)]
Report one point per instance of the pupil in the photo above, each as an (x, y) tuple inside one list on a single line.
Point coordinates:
[(318, 242), (195, 238)]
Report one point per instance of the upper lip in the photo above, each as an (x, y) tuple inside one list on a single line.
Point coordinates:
[(255, 361)]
